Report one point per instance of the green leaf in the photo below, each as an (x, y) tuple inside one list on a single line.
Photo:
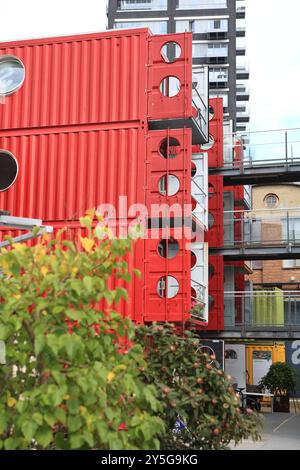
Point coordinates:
[(5, 332), (50, 419), (88, 437), (44, 437), (73, 406), (3, 424), (76, 441), (11, 443), (109, 413), (28, 429), (60, 415), (37, 418), (137, 273), (74, 423), (86, 222), (88, 284), (39, 344)]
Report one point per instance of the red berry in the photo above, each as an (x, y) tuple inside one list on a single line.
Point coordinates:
[(216, 431)]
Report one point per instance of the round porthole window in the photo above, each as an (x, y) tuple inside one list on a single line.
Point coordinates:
[(12, 74), (271, 200), (167, 287), (171, 51), (168, 185), (170, 87), (169, 147), (8, 170), (168, 248)]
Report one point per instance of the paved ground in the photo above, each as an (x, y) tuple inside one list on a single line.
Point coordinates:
[(281, 432)]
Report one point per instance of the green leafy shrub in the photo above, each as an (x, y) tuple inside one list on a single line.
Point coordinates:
[(194, 391), (281, 379), (69, 381)]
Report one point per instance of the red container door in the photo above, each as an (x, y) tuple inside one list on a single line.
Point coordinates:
[(167, 276), (168, 171), (170, 80), (215, 234), (216, 135)]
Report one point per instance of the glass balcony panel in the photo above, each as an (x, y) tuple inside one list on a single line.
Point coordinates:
[(200, 4), (210, 50), (142, 5), (157, 27), (202, 26), (218, 75)]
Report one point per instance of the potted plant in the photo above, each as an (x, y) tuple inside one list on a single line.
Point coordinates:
[(281, 380)]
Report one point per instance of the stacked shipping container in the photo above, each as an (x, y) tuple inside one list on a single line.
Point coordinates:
[(79, 128)]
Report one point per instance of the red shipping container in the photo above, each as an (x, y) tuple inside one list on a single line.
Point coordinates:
[(109, 77), (163, 258), (86, 79), (215, 234), (63, 173)]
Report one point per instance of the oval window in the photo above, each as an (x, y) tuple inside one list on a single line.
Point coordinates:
[(12, 74), (8, 169)]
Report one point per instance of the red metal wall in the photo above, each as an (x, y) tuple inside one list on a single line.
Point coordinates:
[(95, 78), (61, 174)]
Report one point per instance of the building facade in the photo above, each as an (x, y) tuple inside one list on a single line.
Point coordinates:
[(218, 28)]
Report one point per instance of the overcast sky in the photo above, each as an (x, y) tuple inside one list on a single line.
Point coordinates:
[(272, 44)]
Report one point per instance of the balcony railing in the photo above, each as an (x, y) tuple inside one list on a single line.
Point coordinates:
[(262, 310), (142, 5), (262, 148), (264, 227)]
